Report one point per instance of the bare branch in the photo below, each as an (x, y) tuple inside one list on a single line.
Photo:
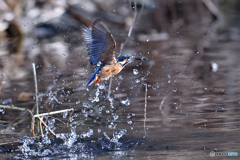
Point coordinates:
[(36, 87), (131, 28), (145, 110)]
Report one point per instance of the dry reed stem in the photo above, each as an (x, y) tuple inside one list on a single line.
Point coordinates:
[(162, 102), (1, 79), (144, 78), (41, 130), (145, 110), (131, 28), (54, 112), (36, 86), (213, 8), (39, 116), (33, 122), (124, 44), (109, 88), (42, 122)]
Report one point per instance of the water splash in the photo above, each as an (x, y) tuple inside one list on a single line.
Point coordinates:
[(135, 71), (65, 114), (68, 138), (87, 134), (117, 136), (126, 102), (114, 141), (137, 80), (96, 99), (174, 89)]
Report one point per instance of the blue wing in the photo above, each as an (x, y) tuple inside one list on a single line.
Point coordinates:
[(100, 43), (94, 74)]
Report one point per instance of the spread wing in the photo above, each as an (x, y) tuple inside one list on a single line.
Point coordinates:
[(100, 43)]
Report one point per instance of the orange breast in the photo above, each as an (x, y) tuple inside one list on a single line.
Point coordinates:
[(109, 71)]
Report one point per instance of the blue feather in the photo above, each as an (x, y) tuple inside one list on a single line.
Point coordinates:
[(94, 74), (96, 40)]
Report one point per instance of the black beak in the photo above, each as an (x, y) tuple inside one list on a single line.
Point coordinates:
[(139, 58)]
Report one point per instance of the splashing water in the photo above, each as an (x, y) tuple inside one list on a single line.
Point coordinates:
[(111, 102), (115, 116), (68, 138), (115, 140), (126, 102), (135, 71), (65, 114), (87, 134), (117, 136), (96, 99)]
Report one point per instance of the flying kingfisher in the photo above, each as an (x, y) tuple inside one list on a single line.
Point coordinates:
[(101, 50)]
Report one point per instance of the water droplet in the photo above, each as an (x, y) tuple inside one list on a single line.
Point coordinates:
[(125, 102), (137, 80), (120, 77), (101, 86), (129, 122), (115, 116), (169, 81), (169, 76), (90, 132), (174, 89), (135, 71), (65, 114), (107, 111), (99, 130)]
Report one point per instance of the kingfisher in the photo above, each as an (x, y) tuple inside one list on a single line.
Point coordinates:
[(101, 50)]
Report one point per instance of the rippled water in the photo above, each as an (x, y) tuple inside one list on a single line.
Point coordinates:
[(175, 105)]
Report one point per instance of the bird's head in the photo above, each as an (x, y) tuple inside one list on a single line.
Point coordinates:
[(126, 59)]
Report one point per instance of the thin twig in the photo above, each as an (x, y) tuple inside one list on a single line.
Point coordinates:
[(140, 13), (41, 130), (109, 88), (15, 108), (131, 28), (57, 119), (12, 123), (147, 73), (54, 112), (47, 114), (124, 44), (145, 110), (161, 104), (33, 122), (1, 79), (213, 8), (46, 126), (70, 116), (36, 87)]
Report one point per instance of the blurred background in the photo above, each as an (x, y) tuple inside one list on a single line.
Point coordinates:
[(189, 85)]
